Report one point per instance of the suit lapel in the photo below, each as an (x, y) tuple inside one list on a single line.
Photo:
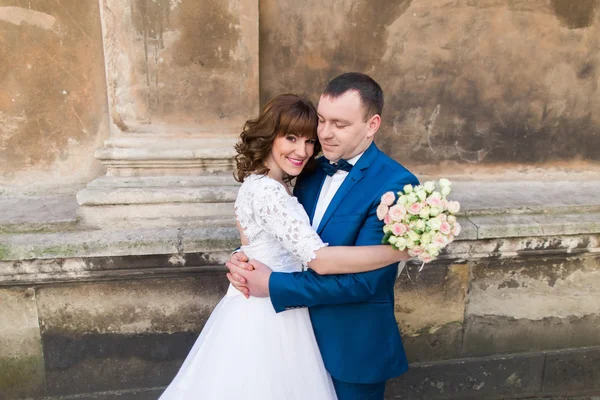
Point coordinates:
[(311, 188), (355, 175)]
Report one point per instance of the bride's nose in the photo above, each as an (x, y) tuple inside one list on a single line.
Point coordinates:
[(301, 149)]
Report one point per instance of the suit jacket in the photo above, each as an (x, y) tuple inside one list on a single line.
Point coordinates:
[(352, 314)]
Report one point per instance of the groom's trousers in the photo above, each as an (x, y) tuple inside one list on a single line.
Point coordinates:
[(358, 391)]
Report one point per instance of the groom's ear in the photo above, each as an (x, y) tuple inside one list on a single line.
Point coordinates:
[(373, 125)]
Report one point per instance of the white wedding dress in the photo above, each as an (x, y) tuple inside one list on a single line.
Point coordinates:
[(246, 350)]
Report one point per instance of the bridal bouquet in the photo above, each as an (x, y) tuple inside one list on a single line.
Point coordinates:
[(422, 219)]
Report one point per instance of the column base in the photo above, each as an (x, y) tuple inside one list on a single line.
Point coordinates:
[(159, 201)]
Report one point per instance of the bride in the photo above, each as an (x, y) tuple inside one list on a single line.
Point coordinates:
[(283, 360)]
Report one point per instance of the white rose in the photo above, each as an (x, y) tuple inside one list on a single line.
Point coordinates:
[(453, 206), (434, 211), (401, 243), (425, 238), (408, 189), (424, 213), (433, 250), (412, 198), (421, 194), (446, 191), (414, 236), (402, 199), (445, 183), (420, 225), (393, 239), (435, 223), (429, 186), (451, 219)]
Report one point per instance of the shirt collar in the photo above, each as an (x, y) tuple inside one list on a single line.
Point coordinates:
[(355, 159)]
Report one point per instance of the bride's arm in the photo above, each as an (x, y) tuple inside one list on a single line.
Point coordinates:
[(347, 260)]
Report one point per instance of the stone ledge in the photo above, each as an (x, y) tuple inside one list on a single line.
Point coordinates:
[(98, 243)]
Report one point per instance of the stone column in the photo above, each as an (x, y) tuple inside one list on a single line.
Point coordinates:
[(182, 78)]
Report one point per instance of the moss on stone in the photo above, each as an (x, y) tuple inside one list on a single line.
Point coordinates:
[(5, 252), (21, 376)]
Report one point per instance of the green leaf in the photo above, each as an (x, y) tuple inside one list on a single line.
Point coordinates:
[(386, 237)]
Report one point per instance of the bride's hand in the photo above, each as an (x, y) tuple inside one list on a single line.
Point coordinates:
[(238, 260)]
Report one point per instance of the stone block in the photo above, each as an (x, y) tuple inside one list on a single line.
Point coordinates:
[(122, 335), (429, 308), (536, 287), (572, 372), (434, 297), (442, 344), (21, 359), (486, 335), (533, 303), (486, 378)]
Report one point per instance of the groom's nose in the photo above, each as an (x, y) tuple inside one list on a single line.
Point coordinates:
[(326, 132)]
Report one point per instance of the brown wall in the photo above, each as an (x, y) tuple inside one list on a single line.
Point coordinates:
[(482, 83), (485, 82), (52, 90)]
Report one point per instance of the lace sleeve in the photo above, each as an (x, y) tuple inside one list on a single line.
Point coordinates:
[(282, 216)]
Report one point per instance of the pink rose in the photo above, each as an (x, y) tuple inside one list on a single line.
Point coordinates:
[(387, 219), (434, 201), (415, 251), (397, 212), (415, 208), (426, 257), (444, 204), (388, 198), (399, 229), (456, 229), (439, 240), (453, 206), (382, 210), (445, 228)]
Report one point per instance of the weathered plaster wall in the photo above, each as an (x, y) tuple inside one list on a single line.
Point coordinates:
[(178, 66), (52, 90), (490, 82)]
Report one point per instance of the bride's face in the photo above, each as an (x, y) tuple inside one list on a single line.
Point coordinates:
[(289, 155)]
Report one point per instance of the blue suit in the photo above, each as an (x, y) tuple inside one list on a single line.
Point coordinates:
[(352, 314)]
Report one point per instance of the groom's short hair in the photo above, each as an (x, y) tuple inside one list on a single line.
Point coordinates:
[(368, 90)]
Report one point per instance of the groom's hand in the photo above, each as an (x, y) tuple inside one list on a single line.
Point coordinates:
[(238, 261)]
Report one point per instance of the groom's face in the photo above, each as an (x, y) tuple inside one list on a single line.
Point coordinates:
[(343, 131)]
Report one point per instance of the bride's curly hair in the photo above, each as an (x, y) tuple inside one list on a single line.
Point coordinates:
[(284, 115)]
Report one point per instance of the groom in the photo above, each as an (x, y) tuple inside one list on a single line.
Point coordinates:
[(352, 315)]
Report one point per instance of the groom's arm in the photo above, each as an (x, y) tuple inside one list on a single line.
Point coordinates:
[(307, 289)]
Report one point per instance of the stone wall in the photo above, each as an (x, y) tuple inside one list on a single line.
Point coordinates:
[(478, 83), (496, 317)]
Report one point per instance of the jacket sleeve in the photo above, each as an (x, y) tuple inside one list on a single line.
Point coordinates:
[(308, 289)]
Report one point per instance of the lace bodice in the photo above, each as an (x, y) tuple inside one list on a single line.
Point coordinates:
[(276, 225)]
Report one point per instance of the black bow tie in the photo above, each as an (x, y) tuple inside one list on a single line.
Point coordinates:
[(331, 169)]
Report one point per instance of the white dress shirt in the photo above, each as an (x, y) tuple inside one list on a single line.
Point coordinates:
[(328, 191)]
